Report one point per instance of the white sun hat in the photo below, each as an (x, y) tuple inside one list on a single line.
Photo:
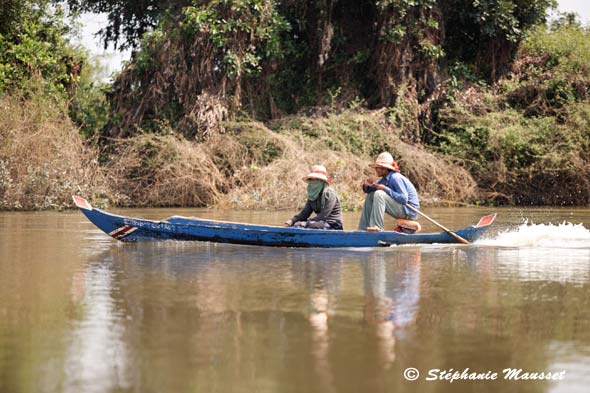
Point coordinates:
[(385, 160), (318, 172)]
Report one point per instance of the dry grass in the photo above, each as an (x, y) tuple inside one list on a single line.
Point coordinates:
[(253, 167), (344, 144), (43, 160), (152, 170), (280, 185), (438, 181)]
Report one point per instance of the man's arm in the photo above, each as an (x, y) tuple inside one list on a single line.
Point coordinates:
[(302, 215), (396, 189)]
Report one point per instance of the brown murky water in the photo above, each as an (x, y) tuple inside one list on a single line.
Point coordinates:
[(80, 312)]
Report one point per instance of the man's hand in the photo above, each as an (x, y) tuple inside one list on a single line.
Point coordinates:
[(372, 183)]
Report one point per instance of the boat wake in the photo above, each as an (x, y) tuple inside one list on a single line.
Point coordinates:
[(565, 235)]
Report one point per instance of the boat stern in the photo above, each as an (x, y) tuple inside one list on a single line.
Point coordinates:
[(486, 220)]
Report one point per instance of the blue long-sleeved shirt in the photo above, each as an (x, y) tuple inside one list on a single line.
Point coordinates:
[(400, 189)]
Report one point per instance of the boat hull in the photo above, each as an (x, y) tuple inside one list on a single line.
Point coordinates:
[(128, 229)]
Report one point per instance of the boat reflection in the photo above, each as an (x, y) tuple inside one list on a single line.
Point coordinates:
[(320, 280), (211, 315), (392, 290)]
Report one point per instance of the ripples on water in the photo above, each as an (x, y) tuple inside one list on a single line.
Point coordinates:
[(80, 312)]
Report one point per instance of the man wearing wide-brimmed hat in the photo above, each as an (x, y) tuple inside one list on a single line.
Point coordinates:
[(389, 195), (322, 200)]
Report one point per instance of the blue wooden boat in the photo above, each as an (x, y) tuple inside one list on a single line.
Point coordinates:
[(128, 229)]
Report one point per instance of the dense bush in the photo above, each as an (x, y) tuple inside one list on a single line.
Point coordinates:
[(553, 71), (89, 108), (43, 81)]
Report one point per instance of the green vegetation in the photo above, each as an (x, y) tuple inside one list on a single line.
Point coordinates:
[(207, 61), (43, 158), (34, 50), (227, 100), (526, 140)]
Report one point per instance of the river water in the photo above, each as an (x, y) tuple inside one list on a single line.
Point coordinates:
[(80, 312)]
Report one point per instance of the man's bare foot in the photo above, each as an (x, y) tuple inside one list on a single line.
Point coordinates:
[(373, 229)]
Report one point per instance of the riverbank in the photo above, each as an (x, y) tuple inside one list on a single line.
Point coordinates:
[(253, 165), (43, 157), (249, 166), (522, 140)]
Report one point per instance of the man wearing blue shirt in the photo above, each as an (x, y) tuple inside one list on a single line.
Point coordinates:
[(389, 195)]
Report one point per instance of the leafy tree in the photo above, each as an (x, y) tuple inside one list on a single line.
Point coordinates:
[(190, 73), (34, 49), (11, 12), (486, 33), (89, 108), (274, 56), (128, 20)]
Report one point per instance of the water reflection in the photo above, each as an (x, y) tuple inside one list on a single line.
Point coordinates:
[(320, 280), (546, 264), (392, 290), (96, 357), (531, 263), (210, 315), (80, 312), (574, 360), (215, 299)]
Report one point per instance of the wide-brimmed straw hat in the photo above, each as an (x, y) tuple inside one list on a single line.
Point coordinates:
[(318, 172), (385, 160)]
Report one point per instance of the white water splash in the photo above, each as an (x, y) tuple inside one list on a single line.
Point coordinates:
[(543, 252), (565, 235)]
